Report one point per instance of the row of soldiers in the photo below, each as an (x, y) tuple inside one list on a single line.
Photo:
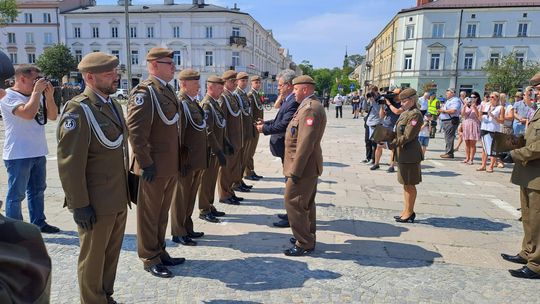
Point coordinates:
[(180, 147)]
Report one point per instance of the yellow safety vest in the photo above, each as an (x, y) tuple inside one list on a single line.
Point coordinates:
[(432, 106)]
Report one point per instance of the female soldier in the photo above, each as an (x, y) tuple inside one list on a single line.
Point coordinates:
[(408, 152)]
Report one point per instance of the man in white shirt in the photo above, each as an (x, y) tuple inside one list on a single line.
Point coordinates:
[(449, 115), (338, 101), (26, 108), (423, 101)]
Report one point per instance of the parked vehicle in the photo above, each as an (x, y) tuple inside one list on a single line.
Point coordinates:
[(120, 94)]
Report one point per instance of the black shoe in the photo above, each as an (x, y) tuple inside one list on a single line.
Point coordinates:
[(514, 258), (49, 229), (237, 198), (410, 219), (172, 261), (391, 169), (110, 300), (217, 213), (184, 240), (258, 176), (241, 189), (209, 217), (282, 224), (251, 177), (374, 167), (447, 155), (159, 271), (195, 235), (365, 161), (283, 216), (397, 217), (292, 240), (297, 251), (229, 201), (524, 273), (246, 185)]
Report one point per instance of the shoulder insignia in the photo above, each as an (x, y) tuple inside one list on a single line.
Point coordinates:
[(139, 99), (70, 123), (79, 98), (414, 122), (310, 120)]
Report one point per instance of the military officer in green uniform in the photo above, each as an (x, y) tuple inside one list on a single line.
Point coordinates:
[(194, 158), (154, 134), (526, 174), (93, 169), (257, 114), (248, 128)]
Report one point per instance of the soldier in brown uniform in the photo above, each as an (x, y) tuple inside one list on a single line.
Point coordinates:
[(153, 122), (257, 111), (248, 131), (303, 165), (215, 124), (194, 157), (526, 174), (233, 132), (93, 168), (408, 151)]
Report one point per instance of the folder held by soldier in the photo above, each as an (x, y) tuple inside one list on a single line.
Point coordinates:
[(506, 142), (381, 134)]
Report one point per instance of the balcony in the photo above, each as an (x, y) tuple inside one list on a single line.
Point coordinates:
[(238, 41)]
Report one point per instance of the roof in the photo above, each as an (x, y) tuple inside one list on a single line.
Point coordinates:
[(157, 8), (459, 4)]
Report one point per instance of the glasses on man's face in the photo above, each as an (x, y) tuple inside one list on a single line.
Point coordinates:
[(166, 62)]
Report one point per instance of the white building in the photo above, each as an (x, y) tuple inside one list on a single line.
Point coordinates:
[(208, 38)]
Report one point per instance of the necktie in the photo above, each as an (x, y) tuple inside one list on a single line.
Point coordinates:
[(111, 108)]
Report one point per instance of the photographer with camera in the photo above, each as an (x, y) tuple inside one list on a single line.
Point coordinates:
[(371, 120), (26, 107)]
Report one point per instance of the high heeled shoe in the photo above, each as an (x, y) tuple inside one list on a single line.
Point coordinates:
[(397, 217), (410, 219)]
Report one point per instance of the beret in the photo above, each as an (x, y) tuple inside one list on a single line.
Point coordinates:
[(407, 93), (156, 53), (256, 78), (242, 75), (304, 79), (535, 80), (229, 74), (215, 79), (189, 74), (451, 90), (98, 62)]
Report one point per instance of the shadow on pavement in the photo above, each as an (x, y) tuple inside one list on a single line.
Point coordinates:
[(230, 302), (326, 192), (273, 179), (274, 203), (442, 173), (275, 190), (71, 238), (465, 223), (326, 181), (334, 164), (361, 228)]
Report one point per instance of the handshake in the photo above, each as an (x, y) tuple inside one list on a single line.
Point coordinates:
[(259, 125)]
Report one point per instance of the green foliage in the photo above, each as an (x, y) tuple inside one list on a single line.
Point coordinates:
[(8, 11), (509, 74), (327, 80), (56, 61), (306, 67), (355, 60)]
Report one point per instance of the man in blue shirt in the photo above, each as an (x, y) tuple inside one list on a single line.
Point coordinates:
[(449, 115), (520, 114)]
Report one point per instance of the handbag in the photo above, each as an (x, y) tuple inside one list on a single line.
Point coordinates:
[(133, 187)]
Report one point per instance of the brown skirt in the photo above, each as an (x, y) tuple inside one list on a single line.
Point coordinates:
[(409, 174)]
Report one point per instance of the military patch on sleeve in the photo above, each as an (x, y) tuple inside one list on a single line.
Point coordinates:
[(139, 99), (70, 124), (414, 122), (310, 121)]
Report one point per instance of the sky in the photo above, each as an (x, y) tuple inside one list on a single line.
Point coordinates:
[(315, 30)]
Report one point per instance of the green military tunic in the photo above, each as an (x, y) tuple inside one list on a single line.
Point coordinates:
[(407, 148)]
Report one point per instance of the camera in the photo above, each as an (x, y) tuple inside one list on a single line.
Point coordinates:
[(369, 95), (484, 113)]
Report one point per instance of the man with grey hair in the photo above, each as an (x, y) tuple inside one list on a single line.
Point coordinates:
[(277, 126)]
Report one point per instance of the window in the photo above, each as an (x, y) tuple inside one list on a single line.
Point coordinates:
[(236, 58), (134, 57), (46, 18), (497, 30), (408, 62), (177, 57), (209, 32), (176, 31), (13, 57), (473, 16), (95, 32), (48, 38), (471, 30), (11, 38), (31, 58), (209, 58), (29, 38), (150, 32), (133, 32), (116, 53), (95, 50), (78, 55), (77, 32), (28, 18), (468, 63), (236, 32), (522, 30), (114, 32), (410, 32), (494, 58), (435, 61), (520, 57), (437, 30)]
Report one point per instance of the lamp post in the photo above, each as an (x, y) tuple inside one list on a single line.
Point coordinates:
[(128, 46)]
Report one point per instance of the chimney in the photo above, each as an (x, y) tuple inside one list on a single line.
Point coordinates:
[(168, 2), (422, 2)]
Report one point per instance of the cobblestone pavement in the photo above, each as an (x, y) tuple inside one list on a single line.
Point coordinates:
[(465, 220)]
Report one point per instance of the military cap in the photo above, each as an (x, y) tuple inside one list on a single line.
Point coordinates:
[(242, 75), (304, 79), (407, 93), (189, 74), (535, 80), (256, 78), (156, 53), (215, 79), (97, 62), (229, 74)]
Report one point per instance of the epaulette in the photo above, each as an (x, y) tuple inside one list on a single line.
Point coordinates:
[(79, 98), (143, 85)]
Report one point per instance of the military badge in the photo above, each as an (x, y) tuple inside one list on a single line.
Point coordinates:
[(139, 99), (414, 122), (309, 121), (70, 124)]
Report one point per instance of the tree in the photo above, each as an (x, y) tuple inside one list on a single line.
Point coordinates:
[(56, 61), (306, 67), (8, 11), (324, 80), (355, 60), (509, 73)]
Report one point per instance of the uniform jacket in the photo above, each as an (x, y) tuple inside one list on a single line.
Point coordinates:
[(247, 120), (152, 141), (406, 145), (214, 114), (526, 171), (92, 174), (195, 151), (277, 126), (303, 153), (257, 108), (233, 132)]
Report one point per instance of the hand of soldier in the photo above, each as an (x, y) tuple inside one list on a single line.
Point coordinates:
[(149, 173), (506, 157), (259, 128), (228, 148), (294, 178), (85, 217), (221, 158)]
